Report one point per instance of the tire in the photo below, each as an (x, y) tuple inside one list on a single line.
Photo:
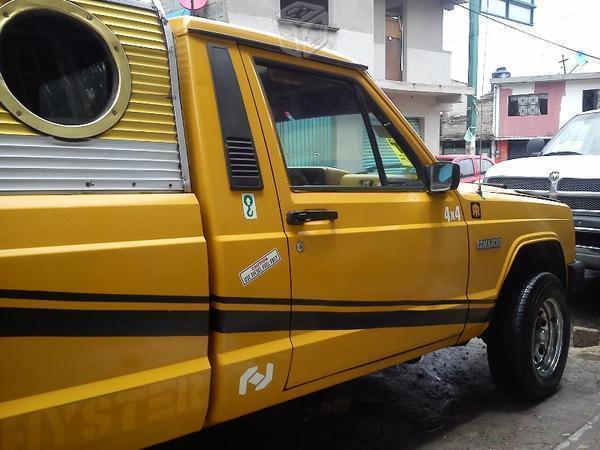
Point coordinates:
[(528, 339)]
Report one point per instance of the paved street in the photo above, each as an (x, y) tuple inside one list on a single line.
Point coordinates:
[(447, 401)]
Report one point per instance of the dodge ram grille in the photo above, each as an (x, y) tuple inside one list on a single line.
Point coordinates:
[(579, 185), (530, 184), (585, 203)]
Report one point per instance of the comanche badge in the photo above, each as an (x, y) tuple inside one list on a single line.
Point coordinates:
[(485, 244)]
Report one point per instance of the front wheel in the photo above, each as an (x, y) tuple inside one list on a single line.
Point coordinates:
[(528, 339)]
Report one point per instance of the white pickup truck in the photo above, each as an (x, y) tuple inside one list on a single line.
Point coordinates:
[(566, 169)]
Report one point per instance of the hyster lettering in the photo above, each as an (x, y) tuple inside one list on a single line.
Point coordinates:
[(250, 273)]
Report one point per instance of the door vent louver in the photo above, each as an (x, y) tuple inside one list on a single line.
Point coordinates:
[(243, 164), (240, 154)]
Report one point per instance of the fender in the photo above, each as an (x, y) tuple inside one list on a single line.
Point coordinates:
[(517, 245)]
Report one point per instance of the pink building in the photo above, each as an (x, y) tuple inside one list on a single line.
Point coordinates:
[(537, 106)]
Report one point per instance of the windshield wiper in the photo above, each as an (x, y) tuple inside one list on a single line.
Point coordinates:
[(565, 152)]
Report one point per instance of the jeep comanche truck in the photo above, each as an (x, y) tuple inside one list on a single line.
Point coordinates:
[(198, 221)]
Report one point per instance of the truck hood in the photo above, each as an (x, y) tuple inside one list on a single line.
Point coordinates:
[(468, 189), (568, 166)]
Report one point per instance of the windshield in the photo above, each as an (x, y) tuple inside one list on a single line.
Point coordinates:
[(581, 135)]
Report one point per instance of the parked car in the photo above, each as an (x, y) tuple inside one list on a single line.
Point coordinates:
[(566, 169), (247, 221), (472, 167)]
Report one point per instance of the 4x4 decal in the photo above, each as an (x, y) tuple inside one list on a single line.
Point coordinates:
[(452, 215)]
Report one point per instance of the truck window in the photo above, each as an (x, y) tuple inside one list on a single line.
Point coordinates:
[(466, 168), (484, 166), (330, 135)]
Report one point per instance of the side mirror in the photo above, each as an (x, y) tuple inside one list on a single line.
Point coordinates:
[(535, 146), (442, 177)]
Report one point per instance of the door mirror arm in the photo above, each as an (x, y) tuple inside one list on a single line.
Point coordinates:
[(442, 177)]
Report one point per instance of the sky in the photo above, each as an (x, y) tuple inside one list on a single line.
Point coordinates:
[(574, 23)]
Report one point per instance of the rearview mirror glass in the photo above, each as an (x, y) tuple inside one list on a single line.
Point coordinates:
[(442, 177)]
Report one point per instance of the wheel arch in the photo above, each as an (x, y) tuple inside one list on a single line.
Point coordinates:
[(534, 256), (542, 254)]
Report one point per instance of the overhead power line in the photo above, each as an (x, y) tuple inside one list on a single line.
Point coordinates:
[(535, 36)]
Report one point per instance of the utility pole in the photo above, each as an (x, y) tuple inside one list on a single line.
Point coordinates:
[(475, 9), (563, 61)]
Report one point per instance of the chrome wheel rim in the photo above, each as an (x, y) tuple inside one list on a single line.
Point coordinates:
[(547, 342)]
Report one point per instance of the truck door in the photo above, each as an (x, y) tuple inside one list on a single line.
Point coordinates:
[(250, 346), (378, 265)]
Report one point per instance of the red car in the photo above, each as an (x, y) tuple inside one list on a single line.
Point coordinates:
[(469, 166)]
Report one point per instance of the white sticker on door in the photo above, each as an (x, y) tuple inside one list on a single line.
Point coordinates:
[(252, 272), (249, 205)]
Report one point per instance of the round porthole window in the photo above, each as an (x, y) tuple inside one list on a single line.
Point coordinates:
[(62, 71)]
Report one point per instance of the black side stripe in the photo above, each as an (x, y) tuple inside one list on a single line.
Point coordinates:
[(256, 321), (313, 302), (249, 321), (387, 319), (89, 297), (251, 301), (82, 323), (92, 323), (480, 315)]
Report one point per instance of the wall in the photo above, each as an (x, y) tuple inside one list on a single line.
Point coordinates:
[(427, 108), (502, 151), (424, 24), (454, 124), (572, 103), (531, 126), (355, 19), (426, 66), (378, 69), (361, 33), (426, 61)]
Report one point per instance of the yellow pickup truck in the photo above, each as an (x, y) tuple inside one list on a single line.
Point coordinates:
[(198, 221)]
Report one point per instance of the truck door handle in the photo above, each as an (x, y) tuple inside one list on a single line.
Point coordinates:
[(310, 215)]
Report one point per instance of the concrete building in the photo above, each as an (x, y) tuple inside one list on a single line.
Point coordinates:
[(400, 41), (537, 106), (454, 127)]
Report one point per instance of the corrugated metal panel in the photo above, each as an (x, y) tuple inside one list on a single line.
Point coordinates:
[(389, 158), (150, 116), (308, 142), (415, 122), (311, 142), (39, 164)]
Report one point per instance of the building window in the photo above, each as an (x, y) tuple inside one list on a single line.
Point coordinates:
[(528, 105), (591, 100), (517, 149), (309, 11)]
